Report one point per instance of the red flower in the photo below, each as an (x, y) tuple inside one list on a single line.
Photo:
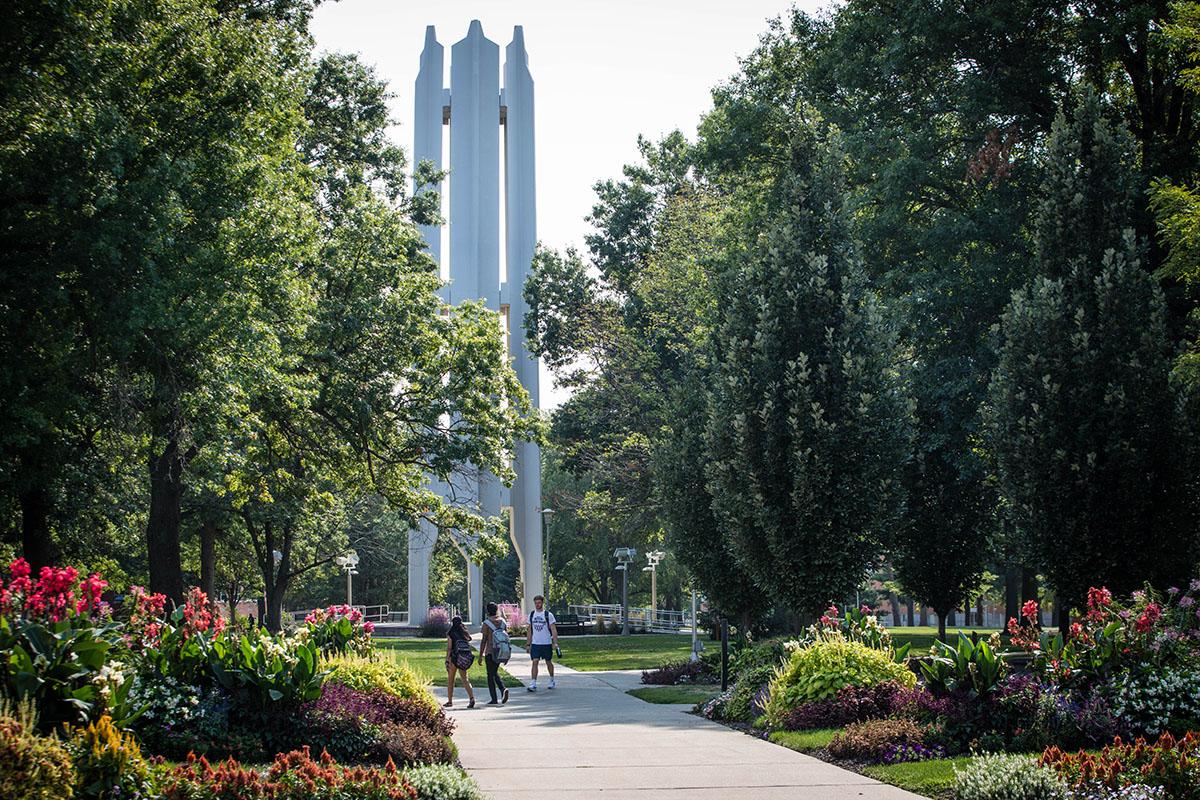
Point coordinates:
[(1146, 620), (1030, 610), (1098, 598)]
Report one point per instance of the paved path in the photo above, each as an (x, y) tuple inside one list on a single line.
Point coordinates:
[(587, 739)]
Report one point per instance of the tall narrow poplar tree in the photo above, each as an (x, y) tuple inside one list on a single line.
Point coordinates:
[(1081, 418), (809, 425)]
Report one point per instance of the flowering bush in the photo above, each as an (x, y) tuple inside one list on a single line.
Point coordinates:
[(442, 782), (749, 696), (1159, 700), (292, 776), (340, 630), (714, 708), (1170, 763), (1033, 714), (57, 636), (872, 739), (856, 625), (437, 623), (905, 752), (32, 767), (516, 619), (1007, 777), (820, 670)]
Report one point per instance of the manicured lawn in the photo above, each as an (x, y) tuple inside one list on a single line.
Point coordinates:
[(676, 694), (643, 651), (804, 741), (428, 657), (930, 778), (922, 638)]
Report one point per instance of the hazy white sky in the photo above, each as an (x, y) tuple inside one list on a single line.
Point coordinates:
[(603, 70)]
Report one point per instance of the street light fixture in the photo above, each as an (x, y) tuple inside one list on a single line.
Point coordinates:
[(546, 514), (653, 557), (624, 557), (348, 562)]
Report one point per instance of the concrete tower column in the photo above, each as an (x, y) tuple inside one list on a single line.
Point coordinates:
[(420, 555), (427, 128), (521, 220)]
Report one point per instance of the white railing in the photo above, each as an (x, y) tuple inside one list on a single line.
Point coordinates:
[(379, 613), (649, 618)]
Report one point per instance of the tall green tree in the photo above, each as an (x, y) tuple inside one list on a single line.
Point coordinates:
[(809, 426), (1082, 420)]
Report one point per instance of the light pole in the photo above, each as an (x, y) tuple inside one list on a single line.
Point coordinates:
[(653, 557), (624, 557), (349, 562), (546, 514)]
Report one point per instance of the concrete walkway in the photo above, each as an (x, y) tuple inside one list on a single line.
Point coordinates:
[(587, 738)]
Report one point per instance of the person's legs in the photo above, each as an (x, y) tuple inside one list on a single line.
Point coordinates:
[(493, 676), (467, 685), (533, 670), (449, 685)]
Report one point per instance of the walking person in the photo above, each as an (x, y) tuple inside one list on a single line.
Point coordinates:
[(496, 650), (459, 658), (543, 638)]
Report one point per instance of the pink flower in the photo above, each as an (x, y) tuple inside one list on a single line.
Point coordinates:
[(1147, 618), (19, 568), (1098, 598), (1030, 610), (1187, 601), (864, 609), (369, 627)]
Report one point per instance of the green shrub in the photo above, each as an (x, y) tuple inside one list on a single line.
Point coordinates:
[(384, 674), (442, 782), (1007, 777), (820, 670), (108, 763), (742, 703), (32, 767), (870, 740)]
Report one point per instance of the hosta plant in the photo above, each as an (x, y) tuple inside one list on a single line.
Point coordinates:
[(822, 669)]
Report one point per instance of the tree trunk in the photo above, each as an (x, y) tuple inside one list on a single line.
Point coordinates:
[(208, 560), (162, 527), (941, 627), (1012, 594), (1029, 585), (274, 620), (911, 612), (894, 601), (36, 544), (1062, 607), (924, 616)]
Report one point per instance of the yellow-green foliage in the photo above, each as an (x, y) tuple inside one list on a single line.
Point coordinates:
[(386, 674), (822, 669), (32, 767), (108, 762)]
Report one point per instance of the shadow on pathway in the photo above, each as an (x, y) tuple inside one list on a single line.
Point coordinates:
[(587, 738)]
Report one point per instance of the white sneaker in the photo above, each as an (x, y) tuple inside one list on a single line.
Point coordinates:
[(552, 683), (531, 687)]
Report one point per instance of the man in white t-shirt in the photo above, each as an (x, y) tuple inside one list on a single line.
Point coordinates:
[(543, 638)]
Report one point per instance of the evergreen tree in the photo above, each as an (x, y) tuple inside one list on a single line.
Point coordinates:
[(809, 424), (1081, 416)]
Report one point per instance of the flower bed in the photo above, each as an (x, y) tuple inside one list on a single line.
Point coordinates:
[(122, 688)]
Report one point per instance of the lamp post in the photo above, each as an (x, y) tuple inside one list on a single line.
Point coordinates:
[(546, 514), (348, 562), (624, 557), (653, 557)]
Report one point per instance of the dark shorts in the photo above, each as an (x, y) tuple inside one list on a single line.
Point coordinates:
[(545, 651)]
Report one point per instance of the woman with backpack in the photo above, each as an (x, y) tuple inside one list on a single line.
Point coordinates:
[(496, 650), (459, 658)]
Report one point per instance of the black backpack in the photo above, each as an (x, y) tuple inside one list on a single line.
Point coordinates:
[(462, 654)]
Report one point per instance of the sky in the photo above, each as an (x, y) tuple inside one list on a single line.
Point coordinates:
[(604, 71)]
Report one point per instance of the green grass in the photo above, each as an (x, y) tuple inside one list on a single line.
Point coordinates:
[(642, 651), (922, 638), (804, 741), (676, 694), (930, 778), (428, 657)]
